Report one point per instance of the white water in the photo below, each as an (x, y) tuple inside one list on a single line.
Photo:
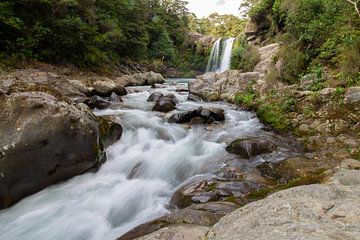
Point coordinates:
[(220, 56), (143, 169)]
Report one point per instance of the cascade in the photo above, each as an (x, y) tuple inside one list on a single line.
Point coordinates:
[(220, 56)]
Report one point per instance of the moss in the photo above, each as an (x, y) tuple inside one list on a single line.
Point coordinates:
[(104, 126), (98, 150), (211, 187), (317, 177), (231, 199), (274, 116)]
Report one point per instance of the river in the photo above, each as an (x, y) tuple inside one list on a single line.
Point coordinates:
[(142, 172)]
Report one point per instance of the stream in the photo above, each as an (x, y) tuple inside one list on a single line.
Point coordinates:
[(143, 170)]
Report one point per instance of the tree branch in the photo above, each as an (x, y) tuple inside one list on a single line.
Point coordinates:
[(355, 6)]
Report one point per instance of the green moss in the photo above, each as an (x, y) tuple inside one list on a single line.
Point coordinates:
[(104, 126), (316, 177), (231, 199), (98, 150), (273, 115)]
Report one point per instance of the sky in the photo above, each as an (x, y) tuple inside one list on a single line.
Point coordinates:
[(203, 8)]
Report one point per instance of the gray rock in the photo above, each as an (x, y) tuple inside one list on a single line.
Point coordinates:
[(250, 147), (44, 141), (148, 78), (155, 96), (352, 96), (106, 88), (164, 104), (320, 211), (178, 232)]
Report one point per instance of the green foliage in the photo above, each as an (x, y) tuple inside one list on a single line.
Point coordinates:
[(244, 56), (93, 33), (273, 115), (294, 64), (217, 25), (247, 100)]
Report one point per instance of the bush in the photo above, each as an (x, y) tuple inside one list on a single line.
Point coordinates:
[(294, 64), (245, 57)]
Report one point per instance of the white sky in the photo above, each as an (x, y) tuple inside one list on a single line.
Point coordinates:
[(203, 8)]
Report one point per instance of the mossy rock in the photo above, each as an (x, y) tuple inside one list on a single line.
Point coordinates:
[(250, 147)]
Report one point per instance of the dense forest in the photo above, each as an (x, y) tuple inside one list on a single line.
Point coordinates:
[(101, 34), (320, 37)]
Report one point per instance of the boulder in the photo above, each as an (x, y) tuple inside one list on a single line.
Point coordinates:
[(193, 97), (125, 80), (317, 211), (217, 113), (106, 88), (250, 147), (155, 96), (97, 102), (147, 78), (164, 104), (294, 167), (352, 96), (44, 141), (198, 214), (198, 116), (183, 117), (26, 80), (80, 87)]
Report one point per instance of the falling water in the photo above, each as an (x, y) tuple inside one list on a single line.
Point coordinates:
[(213, 64), (220, 57)]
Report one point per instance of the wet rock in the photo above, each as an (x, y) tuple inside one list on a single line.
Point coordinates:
[(183, 117), (205, 113), (193, 97), (184, 194), (97, 102), (250, 147), (115, 98), (197, 120), (199, 116), (217, 113), (205, 197), (155, 96), (47, 141), (294, 167), (236, 189), (165, 104)]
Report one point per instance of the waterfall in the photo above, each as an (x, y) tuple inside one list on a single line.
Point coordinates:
[(220, 57), (213, 64)]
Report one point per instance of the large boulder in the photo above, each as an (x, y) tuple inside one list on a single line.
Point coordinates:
[(44, 140), (36, 80), (250, 147), (222, 86), (106, 88), (165, 103), (318, 211), (147, 78)]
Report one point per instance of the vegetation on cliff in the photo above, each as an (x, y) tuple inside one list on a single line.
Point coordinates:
[(319, 37)]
